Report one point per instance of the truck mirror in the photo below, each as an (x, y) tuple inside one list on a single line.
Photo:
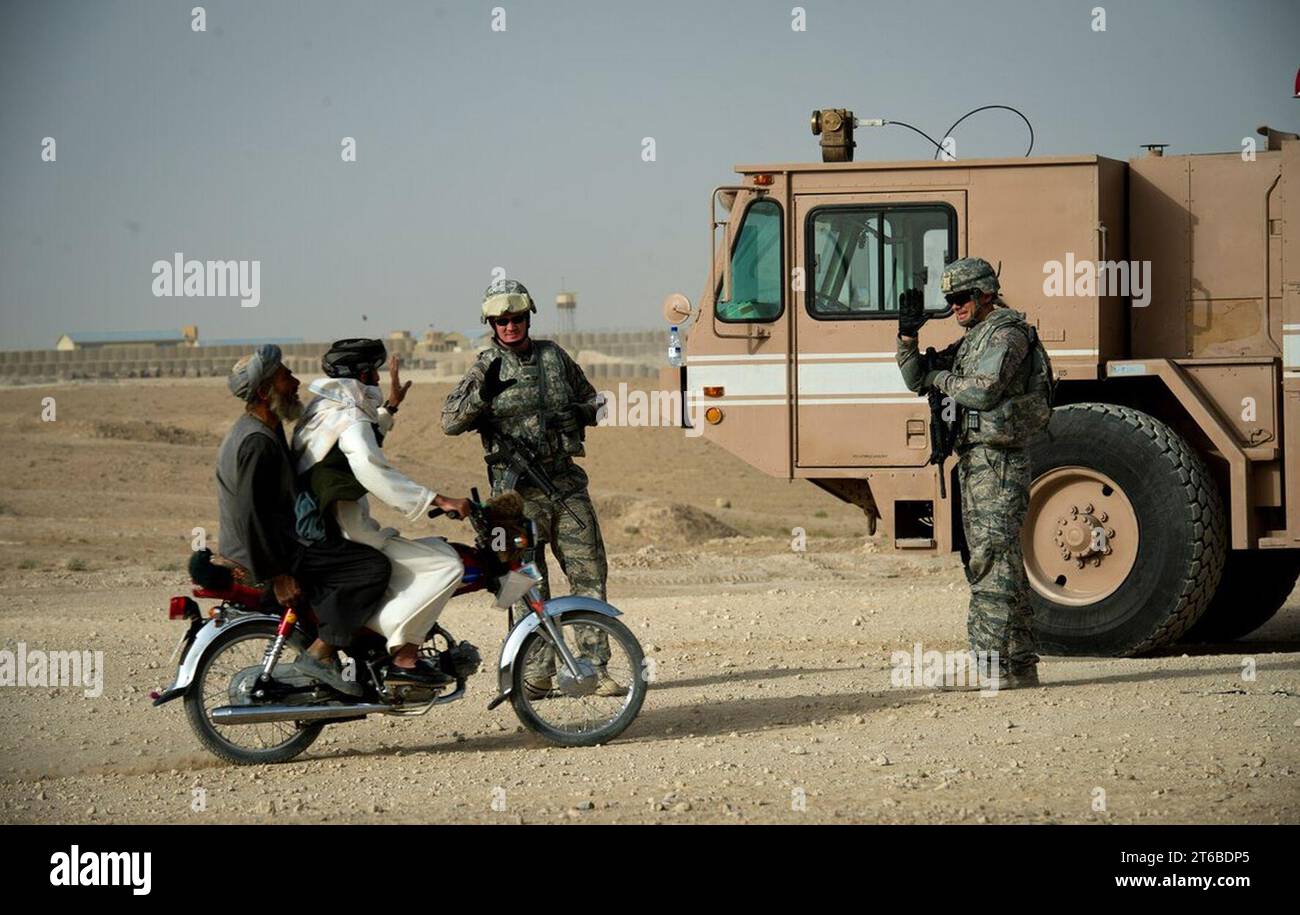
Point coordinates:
[(677, 309)]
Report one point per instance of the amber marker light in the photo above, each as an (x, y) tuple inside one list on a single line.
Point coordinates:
[(713, 415), (713, 390), (762, 180)]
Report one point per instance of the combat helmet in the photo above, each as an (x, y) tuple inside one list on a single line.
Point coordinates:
[(967, 274), (506, 297)]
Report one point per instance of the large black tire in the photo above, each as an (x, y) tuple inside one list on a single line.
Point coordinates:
[(1181, 531), (208, 734), (1255, 585)]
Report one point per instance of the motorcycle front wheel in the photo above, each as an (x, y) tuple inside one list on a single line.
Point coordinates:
[(550, 704)]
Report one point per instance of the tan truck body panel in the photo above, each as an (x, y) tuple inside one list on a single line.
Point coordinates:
[(803, 397)]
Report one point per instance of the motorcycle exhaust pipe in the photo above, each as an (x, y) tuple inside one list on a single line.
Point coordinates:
[(261, 714)]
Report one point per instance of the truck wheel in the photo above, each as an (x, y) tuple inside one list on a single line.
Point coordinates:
[(1255, 585), (1124, 540)]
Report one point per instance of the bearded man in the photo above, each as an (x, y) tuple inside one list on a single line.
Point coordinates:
[(344, 582)]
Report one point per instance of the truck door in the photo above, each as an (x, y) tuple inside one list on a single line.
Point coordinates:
[(859, 253), (738, 361)]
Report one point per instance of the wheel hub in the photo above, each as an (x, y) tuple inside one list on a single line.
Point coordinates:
[(1083, 536), (243, 686), (1080, 537), (577, 687)]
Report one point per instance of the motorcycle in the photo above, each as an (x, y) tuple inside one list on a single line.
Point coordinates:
[(248, 705)]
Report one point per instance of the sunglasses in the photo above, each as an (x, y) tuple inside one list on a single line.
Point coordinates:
[(959, 298), (510, 319)]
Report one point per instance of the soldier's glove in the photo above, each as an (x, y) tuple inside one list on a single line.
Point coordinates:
[(911, 313), (572, 418), (930, 369), (492, 385)]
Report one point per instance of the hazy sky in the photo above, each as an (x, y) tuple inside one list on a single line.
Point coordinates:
[(522, 148)]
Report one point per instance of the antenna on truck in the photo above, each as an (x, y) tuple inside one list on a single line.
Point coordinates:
[(835, 126)]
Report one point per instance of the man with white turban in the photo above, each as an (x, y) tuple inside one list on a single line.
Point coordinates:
[(338, 454)]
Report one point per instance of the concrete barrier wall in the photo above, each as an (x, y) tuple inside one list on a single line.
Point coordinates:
[(632, 354)]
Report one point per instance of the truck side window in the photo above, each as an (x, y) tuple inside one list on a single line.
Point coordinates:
[(864, 258), (756, 271)]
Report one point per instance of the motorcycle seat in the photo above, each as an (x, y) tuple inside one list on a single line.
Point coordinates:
[(236, 594)]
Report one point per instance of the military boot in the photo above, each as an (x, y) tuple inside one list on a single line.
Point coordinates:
[(996, 680), (1022, 677), (539, 673), (607, 686)]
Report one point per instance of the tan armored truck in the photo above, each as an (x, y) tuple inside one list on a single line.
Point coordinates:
[(1166, 494)]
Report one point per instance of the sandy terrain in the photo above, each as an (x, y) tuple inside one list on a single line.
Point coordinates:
[(773, 699)]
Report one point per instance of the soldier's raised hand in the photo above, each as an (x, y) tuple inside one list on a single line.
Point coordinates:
[(911, 313)]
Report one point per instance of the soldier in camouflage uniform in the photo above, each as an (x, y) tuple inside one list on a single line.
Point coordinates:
[(999, 378), (532, 391)]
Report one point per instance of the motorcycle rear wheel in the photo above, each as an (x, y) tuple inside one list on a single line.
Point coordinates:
[(276, 742), (600, 720)]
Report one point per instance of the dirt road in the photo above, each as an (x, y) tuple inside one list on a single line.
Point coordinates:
[(775, 696)]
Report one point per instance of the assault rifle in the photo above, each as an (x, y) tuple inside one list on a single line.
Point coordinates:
[(943, 432), (517, 460)]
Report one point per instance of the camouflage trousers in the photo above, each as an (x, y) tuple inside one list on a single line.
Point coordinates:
[(994, 486), (580, 553)]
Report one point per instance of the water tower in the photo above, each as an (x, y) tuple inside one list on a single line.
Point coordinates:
[(566, 304)]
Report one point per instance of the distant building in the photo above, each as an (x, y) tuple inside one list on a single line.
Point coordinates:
[(437, 341), (566, 304), (186, 336), (251, 342)]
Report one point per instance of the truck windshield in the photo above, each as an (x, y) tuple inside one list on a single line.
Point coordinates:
[(755, 267), (864, 258)]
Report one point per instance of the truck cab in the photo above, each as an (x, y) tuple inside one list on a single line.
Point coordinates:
[(1166, 290)]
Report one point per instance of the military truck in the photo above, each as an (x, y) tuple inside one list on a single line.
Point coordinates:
[(1166, 495)]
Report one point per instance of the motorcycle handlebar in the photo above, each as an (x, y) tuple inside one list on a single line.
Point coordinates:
[(477, 518)]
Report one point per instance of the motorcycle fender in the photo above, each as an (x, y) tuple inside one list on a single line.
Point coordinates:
[(526, 626), (203, 638)]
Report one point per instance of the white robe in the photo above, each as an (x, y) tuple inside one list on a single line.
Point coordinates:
[(426, 571)]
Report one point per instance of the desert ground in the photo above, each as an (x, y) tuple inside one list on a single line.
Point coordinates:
[(772, 700)]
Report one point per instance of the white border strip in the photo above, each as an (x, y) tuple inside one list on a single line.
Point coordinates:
[(914, 400), (740, 357), (729, 402), (849, 357), (805, 402)]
